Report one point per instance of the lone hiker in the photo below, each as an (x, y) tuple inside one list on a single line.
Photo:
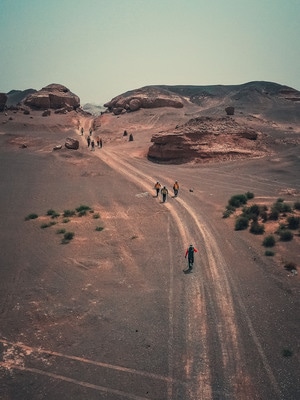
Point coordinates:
[(176, 188), (157, 187), (190, 254), (88, 139), (164, 192)]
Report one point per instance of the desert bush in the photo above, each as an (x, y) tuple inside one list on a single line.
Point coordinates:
[(269, 253), (227, 213), (96, 216), (48, 224), (83, 208), (249, 195), (287, 353), (66, 220), (256, 228), (31, 216), (281, 206), (67, 237), (297, 205), (251, 212), (269, 241), (237, 200), (61, 231), (274, 214), (293, 222), (69, 213), (99, 228), (285, 235), (241, 223), (264, 216)]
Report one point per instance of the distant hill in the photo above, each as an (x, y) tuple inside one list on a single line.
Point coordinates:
[(17, 96)]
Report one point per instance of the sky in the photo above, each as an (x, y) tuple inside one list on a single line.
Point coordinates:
[(102, 48)]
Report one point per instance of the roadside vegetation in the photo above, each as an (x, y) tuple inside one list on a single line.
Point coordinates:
[(256, 217), (56, 218)]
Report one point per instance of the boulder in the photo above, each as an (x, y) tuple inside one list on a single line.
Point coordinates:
[(229, 110), (72, 144), (3, 99), (53, 96)]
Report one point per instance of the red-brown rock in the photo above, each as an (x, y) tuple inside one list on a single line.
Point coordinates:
[(53, 96), (3, 99)]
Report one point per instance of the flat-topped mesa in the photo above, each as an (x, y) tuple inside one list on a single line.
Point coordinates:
[(53, 96), (146, 97)]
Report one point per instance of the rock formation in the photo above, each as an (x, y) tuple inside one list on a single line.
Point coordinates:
[(72, 144), (147, 97), (54, 97), (3, 99), (206, 138)]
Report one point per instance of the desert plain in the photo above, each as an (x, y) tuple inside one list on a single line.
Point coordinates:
[(110, 314)]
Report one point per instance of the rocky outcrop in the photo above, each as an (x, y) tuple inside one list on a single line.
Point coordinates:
[(3, 99), (229, 110), (15, 97), (147, 97), (204, 139), (72, 144), (54, 97)]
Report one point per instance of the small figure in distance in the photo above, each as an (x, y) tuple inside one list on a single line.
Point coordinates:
[(88, 139), (164, 192), (91, 131), (190, 254), (93, 145), (81, 131), (157, 187), (176, 188), (100, 143)]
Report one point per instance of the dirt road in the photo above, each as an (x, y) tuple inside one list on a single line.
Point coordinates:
[(116, 317)]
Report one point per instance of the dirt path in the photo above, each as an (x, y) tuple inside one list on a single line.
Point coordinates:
[(198, 298)]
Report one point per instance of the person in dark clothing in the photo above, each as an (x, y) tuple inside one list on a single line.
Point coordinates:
[(88, 141), (164, 192), (190, 255)]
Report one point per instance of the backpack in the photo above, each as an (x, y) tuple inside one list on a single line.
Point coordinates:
[(191, 252)]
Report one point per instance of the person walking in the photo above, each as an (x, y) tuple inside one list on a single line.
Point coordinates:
[(93, 145), (190, 255), (81, 131), (176, 188), (88, 141), (164, 192), (157, 187), (100, 143)]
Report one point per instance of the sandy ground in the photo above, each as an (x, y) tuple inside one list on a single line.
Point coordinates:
[(111, 315)]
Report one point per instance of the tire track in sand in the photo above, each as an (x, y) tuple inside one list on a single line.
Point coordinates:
[(220, 298)]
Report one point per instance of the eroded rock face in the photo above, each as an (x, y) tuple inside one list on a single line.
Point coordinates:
[(147, 97), (3, 99), (54, 97), (204, 139)]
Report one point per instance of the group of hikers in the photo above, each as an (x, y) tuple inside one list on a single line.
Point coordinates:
[(159, 189), (91, 141), (164, 191), (191, 249)]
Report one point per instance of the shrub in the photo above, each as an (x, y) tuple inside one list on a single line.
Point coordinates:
[(274, 214), (250, 195), (69, 213), (99, 228), (269, 241), (287, 353), (66, 220), (269, 253), (83, 208), (50, 212), (251, 212), (31, 216), (241, 223), (297, 205), (96, 216), (256, 228), (67, 237), (293, 222), (227, 213), (285, 235), (286, 208), (237, 200), (81, 213), (61, 231)]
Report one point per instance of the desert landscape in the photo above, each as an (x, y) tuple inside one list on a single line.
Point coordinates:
[(94, 301)]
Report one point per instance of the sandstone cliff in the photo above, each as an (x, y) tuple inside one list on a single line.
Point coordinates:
[(205, 138)]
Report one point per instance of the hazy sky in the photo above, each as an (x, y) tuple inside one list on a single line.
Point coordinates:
[(102, 48)]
